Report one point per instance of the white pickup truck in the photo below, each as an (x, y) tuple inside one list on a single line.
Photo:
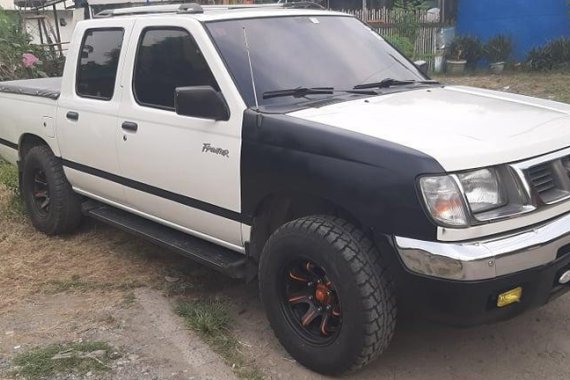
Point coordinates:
[(295, 144)]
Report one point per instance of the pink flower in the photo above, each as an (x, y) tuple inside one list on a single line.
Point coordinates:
[(28, 59)]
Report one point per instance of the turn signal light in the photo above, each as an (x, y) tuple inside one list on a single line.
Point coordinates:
[(509, 297)]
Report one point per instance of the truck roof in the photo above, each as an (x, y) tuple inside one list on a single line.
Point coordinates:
[(221, 12)]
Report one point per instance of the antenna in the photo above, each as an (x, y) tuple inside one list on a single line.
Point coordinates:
[(250, 68)]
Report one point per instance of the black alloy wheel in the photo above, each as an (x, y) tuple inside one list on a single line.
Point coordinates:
[(41, 193), (310, 302)]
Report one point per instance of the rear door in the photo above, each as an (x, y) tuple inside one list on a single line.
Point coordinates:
[(169, 161), (88, 107)]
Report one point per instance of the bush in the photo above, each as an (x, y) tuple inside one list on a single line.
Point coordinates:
[(21, 59), (403, 44), (560, 50), (554, 54), (465, 48), (9, 177), (498, 48)]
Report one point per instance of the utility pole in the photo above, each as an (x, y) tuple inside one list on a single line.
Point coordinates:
[(364, 11)]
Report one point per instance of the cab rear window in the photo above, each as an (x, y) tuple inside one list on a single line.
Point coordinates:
[(98, 63)]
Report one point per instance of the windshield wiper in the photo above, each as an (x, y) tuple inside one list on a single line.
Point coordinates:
[(389, 82), (298, 92), (301, 92)]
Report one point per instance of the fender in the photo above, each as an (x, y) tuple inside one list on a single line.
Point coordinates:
[(373, 179)]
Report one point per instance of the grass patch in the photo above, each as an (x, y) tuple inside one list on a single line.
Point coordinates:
[(9, 176), (76, 283), (211, 319), (129, 299), (13, 206), (551, 85), (73, 283), (76, 358)]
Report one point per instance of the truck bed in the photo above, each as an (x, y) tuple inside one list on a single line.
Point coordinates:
[(42, 87)]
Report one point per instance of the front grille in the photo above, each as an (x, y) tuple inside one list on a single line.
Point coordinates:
[(542, 178), (549, 180)]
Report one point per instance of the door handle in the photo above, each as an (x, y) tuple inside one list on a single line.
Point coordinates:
[(130, 126), (72, 116)]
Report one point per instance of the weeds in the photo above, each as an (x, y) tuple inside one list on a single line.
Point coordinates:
[(75, 283), (129, 299), (211, 319), (14, 206), (9, 176), (78, 358)]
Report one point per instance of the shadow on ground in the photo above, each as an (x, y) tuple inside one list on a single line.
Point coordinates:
[(532, 346)]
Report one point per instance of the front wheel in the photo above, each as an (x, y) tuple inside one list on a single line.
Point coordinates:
[(51, 203), (326, 294)]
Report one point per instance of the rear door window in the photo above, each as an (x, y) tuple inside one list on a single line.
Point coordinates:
[(98, 63)]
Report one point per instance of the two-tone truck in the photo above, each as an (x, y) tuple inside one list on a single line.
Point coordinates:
[(296, 145)]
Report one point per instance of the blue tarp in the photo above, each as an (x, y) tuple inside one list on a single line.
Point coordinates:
[(530, 22)]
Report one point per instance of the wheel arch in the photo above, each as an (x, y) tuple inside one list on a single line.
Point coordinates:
[(276, 209), (28, 141)]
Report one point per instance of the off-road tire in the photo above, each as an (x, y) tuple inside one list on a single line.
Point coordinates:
[(363, 284), (64, 214)]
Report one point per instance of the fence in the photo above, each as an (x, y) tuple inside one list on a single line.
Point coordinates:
[(391, 22)]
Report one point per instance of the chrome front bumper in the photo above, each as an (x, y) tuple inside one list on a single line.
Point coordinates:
[(489, 258)]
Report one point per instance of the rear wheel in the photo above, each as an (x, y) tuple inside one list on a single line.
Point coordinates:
[(51, 203), (326, 294)]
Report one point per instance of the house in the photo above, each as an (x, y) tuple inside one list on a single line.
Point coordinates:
[(47, 22), (529, 22)]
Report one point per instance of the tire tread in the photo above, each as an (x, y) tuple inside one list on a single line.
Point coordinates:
[(372, 277), (65, 203)]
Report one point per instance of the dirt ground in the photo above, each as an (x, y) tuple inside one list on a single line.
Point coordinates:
[(103, 285)]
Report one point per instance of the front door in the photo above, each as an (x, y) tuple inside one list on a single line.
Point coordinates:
[(173, 173)]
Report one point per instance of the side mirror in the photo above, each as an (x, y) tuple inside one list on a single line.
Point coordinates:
[(201, 101), (422, 66)]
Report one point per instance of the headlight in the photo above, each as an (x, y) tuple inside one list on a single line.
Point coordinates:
[(482, 190), (478, 196), (444, 200)]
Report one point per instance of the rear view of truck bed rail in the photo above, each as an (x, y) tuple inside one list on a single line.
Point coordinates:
[(42, 87)]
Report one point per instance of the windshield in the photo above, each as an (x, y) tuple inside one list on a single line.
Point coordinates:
[(306, 51)]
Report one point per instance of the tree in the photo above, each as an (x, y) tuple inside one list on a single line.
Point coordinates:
[(409, 23)]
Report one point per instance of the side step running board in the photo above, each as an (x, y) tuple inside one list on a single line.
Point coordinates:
[(211, 255)]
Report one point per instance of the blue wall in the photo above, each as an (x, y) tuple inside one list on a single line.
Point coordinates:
[(529, 22)]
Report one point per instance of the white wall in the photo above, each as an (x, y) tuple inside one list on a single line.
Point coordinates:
[(7, 4), (65, 30)]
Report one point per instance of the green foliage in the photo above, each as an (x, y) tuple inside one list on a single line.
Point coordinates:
[(9, 177), (408, 26), (14, 42), (410, 4), (211, 319), (403, 44), (208, 318), (465, 48), (13, 207), (498, 48), (553, 55), (40, 363)]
